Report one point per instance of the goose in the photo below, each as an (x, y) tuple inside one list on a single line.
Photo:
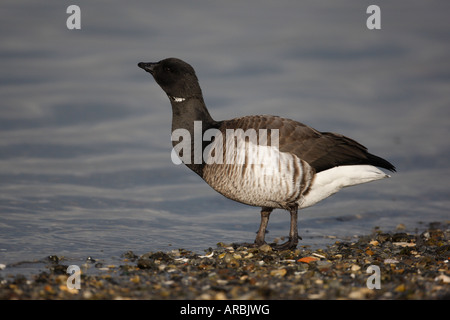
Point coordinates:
[(269, 161)]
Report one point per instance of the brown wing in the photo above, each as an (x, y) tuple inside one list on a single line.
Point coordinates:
[(322, 150)]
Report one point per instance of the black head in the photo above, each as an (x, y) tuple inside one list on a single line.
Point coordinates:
[(176, 77)]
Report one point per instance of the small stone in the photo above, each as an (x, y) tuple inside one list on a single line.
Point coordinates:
[(404, 244), (53, 258), (324, 266), (87, 294), (359, 294), (64, 288), (220, 296), (278, 272), (400, 288), (233, 263), (400, 226), (442, 278), (355, 267), (145, 264), (307, 259), (129, 255), (321, 256), (265, 248), (210, 255), (390, 261)]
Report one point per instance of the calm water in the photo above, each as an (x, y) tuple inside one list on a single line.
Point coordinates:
[(85, 166)]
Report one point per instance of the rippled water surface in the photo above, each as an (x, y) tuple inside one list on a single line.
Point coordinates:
[(85, 167)]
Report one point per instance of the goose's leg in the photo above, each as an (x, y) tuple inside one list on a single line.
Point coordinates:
[(265, 213), (293, 232)]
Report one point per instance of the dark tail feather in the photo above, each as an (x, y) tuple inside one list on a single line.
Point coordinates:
[(380, 162)]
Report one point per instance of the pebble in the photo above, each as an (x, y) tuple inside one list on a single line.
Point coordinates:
[(265, 248), (278, 272), (400, 226), (388, 261), (442, 278), (404, 244), (307, 259), (355, 267)]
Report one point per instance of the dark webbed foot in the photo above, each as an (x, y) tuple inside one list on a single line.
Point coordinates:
[(246, 244), (291, 244)]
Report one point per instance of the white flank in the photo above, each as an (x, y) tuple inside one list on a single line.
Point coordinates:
[(330, 181)]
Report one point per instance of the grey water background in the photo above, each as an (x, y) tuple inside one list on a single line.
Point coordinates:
[(85, 167)]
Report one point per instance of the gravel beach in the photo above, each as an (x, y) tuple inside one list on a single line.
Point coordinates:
[(382, 265)]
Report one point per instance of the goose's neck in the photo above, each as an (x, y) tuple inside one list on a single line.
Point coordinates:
[(187, 110), (193, 118)]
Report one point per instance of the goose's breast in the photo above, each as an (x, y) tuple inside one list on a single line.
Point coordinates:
[(258, 175)]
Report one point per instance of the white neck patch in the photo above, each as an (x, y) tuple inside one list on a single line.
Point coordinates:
[(176, 99)]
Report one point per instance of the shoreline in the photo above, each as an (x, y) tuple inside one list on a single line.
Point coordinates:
[(386, 266)]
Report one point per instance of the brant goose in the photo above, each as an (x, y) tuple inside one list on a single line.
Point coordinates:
[(298, 168)]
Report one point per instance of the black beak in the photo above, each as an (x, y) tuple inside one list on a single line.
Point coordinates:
[(147, 66)]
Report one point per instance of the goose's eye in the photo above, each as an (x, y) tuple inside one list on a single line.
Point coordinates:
[(167, 69)]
